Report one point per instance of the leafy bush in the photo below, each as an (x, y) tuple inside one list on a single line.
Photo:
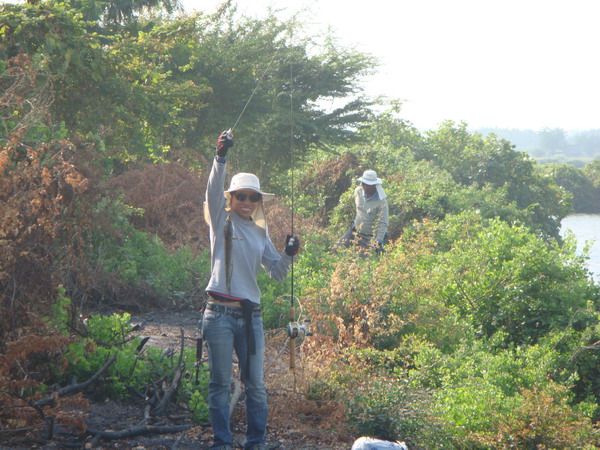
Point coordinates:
[(312, 269), (384, 407), (377, 301), (140, 259), (576, 182), (432, 306), (504, 278), (275, 301), (542, 420), (480, 392)]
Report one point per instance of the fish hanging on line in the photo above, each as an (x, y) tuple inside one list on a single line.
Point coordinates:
[(228, 235)]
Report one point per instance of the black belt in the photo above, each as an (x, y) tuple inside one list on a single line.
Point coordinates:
[(236, 312)]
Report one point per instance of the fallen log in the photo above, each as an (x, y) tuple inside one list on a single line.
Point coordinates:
[(136, 431)]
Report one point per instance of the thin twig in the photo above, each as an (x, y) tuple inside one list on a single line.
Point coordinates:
[(170, 392)]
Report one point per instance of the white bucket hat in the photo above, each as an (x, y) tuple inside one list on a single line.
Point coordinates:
[(249, 181), (242, 181), (370, 177)]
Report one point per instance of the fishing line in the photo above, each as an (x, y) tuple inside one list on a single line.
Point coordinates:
[(256, 88), (293, 328)]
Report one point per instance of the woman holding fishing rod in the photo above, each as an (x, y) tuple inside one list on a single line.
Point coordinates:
[(240, 245)]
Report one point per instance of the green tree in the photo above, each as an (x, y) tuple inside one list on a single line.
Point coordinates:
[(504, 278), (68, 58), (160, 85), (592, 170), (575, 181), (475, 160), (265, 78)]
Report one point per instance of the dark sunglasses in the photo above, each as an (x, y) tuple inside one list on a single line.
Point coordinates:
[(254, 198)]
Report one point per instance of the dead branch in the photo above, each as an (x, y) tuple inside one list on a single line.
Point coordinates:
[(135, 431), (21, 430), (172, 389), (75, 388)]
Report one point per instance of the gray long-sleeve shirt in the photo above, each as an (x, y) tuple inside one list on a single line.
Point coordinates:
[(252, 246), (371, 215)]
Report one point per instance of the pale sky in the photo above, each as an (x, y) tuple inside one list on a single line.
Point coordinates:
[(525, 64)]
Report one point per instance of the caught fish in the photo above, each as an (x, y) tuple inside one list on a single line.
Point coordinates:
[(228, 235)]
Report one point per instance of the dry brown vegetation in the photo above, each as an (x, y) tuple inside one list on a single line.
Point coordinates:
[(329, 180), (170, 197)]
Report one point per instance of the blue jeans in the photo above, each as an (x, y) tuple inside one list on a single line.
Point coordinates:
[(224, 333)]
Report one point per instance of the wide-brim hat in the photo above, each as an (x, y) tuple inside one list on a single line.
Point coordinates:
[(370, 177), (247, 181)]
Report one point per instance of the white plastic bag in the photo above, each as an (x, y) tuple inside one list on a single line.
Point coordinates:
[(367, 443)]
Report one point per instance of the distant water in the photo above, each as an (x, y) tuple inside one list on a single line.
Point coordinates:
[(586, 227)]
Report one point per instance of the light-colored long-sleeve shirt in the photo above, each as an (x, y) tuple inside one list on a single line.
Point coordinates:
[(371, 215), (251, 249)]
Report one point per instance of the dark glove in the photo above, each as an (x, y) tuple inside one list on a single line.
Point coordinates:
[(292, 245), (224, 143)]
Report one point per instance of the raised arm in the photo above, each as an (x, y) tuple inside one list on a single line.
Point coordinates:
[(215, 200)]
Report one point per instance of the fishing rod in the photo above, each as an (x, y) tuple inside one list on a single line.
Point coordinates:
[(291, 331), (294, 329), (228, 229)]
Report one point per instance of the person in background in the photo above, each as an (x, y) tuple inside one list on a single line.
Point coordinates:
[(370, 224), (240, 245)]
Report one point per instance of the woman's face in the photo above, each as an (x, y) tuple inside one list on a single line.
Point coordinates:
[(369, 189), (244, 202)]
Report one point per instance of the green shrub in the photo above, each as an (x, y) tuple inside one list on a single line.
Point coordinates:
[(387, 407), (141, 260), (312, 270), (481, 389), (541, 419), (504, 278)]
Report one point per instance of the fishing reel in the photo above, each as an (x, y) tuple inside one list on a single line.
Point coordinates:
[(294, 329)]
